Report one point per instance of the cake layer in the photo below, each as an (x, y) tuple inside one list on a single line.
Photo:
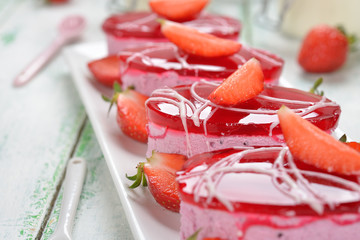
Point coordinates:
[(134, 28), (163, 65)]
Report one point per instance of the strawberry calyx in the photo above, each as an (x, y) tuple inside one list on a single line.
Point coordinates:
[(194, 235), (352, 144), (158, 173), (351, 38), (117, 90), (139, 177), (314, 89)]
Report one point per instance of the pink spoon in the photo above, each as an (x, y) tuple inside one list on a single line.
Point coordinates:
[(69, 30)]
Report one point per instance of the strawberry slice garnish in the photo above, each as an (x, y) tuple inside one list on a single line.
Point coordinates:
[(244, 84), (106, 70), (198, 43), (354, 145), (324, 49), (313, 146), (158, 173), (131, 115), (178, 10)]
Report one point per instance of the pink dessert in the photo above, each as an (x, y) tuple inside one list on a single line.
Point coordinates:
[(137, 28), (263, 193), (165, 65), (181, 120)]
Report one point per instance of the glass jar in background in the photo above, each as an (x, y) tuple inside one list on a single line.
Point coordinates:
[(238, 9), (117, 6), (296, 17)]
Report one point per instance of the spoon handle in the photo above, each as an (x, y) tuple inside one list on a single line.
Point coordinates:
[(74, 179), (34, 67)]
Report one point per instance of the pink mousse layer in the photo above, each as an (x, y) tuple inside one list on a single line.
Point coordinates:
[(147, 82), (163, 139), (234, 226), (116, 44)]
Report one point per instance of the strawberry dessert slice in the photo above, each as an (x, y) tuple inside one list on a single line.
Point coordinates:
[(132, 29), (266, 193), (150, 68), (182, 120)]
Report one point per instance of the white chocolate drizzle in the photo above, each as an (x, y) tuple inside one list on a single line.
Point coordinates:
[(290, 180), (187, 109)]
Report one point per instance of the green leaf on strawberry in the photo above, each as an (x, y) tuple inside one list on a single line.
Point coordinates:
[(314, 88), (158, 173)]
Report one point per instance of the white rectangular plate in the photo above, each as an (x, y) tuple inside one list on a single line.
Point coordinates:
[(146, 218)]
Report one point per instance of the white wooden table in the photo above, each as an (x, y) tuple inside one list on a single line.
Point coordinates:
[(44, 123)]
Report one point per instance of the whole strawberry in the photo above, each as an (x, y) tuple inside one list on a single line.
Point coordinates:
[(324, 49)]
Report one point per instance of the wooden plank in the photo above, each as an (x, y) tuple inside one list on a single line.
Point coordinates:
[(100, 214), (39, 126)]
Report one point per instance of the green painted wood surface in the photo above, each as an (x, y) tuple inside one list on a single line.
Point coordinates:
[(40, 124), (100, 214)]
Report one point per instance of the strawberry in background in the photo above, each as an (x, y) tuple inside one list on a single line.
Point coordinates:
[(324, 49)]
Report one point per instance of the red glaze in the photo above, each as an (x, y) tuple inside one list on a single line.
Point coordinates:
[(159, 58), (256, 192), (145, 25), (227, 121)]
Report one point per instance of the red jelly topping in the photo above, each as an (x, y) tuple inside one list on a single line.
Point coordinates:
[(265, 180), (159, 58), (145, 25), (256, 116)]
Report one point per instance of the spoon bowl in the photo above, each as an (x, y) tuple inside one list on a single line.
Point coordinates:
[(72, 26), (69, 30)]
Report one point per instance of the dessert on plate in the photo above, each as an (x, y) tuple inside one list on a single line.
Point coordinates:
[(263, 193), (150, 68), (182, 120), (274, 192), (132, 29)]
